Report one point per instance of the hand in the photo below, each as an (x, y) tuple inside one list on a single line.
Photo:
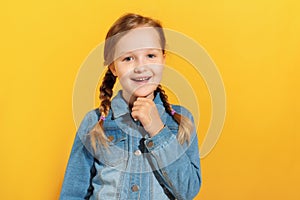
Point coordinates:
[(145, 111)]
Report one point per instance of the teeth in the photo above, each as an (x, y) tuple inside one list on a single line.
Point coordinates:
[(142, 79)]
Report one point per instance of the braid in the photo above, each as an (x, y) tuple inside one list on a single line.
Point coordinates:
[(164, 99), (185, 125), (106, 92)]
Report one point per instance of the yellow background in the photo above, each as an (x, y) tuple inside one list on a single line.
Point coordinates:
[(255, 45)]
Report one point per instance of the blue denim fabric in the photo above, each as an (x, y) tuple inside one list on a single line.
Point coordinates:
[(133, 166)]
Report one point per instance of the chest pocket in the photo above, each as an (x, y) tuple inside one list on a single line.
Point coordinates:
[(117, 151)]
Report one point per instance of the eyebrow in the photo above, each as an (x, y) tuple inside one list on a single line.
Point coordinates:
[(150, 49)]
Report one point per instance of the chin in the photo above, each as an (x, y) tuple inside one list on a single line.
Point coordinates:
[(143, 92)]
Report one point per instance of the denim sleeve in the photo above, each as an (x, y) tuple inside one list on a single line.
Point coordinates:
[(77, 176), (178, 166)]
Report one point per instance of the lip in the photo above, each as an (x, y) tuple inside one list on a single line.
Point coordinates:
[(141, 79)]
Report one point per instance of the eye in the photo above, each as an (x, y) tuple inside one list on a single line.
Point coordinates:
[(151, 55), (127, 59)]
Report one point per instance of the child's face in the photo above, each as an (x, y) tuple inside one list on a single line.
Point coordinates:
[(139, 62)]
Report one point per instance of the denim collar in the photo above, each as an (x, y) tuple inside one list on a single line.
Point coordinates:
[(120, 107)]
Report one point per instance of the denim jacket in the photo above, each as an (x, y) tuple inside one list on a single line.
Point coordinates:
[(134, 165)]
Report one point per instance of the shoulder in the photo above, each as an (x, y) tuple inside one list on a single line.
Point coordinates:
[(92, 115), (89, 120), (182, 111)]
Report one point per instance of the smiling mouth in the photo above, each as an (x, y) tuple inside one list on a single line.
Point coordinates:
[(141, 79)]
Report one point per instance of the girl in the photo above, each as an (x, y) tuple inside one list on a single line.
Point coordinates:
[(136, 145)]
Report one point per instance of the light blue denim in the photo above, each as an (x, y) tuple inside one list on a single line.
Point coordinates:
[(133, 166)]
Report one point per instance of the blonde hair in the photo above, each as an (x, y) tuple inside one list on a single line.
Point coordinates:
[(126, 23)]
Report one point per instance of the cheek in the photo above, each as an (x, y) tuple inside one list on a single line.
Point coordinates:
[(122, 70), (159, 70)]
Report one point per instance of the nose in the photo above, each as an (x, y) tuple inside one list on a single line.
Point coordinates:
[(140, 65)]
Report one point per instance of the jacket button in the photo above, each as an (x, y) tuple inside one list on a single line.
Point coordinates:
[(150, 144), (138, 152), (110, 138), (135, 188)]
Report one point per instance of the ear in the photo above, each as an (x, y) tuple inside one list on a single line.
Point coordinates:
[(113, 69)]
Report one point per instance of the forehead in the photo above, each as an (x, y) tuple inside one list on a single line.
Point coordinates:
[(136, 39)]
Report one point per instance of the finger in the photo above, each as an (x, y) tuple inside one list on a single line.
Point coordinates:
[(149, 96), (137, 103), (140, 104), (135, 115), (135, 108), (143, 103), (142, 117), (140, 109), (144, 99)]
